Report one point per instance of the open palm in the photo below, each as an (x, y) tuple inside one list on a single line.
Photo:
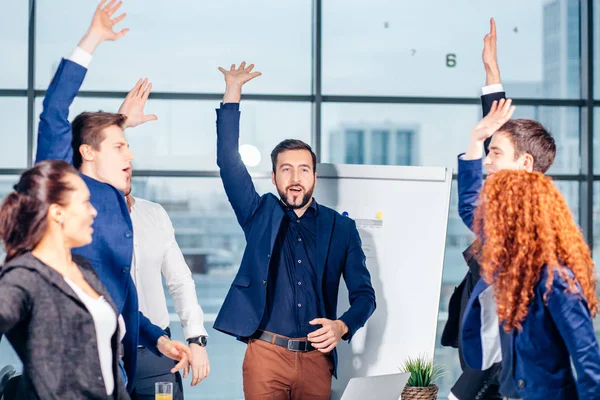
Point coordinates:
[(103, 22), (498, 116), (238, 76)]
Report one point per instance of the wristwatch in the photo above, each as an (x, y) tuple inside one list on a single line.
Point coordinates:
[(199, 340)]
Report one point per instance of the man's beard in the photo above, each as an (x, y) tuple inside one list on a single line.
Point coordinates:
[(305, 199)]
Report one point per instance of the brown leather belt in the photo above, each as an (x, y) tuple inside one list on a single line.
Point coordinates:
[(302, 345)]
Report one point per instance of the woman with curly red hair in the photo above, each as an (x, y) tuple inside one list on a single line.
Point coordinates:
[(538, 268)]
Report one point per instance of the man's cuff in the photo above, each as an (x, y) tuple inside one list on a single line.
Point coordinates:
[(81, 57), (470, 164), (194, 331), (230, 106), (495, 88)]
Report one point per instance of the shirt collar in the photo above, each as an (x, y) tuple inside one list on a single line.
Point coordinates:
[(312, 209)]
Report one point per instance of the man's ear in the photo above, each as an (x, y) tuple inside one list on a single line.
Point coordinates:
[(87, 153), (527, 162)]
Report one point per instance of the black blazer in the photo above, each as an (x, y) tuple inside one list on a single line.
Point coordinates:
[(53, 333)]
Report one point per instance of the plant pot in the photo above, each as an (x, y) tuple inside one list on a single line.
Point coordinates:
[(420, 393)]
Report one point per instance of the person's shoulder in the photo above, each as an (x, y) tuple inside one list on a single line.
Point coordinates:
[(22, 268), (147, 205), (343, 221)]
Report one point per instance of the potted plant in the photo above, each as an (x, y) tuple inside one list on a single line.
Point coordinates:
[(423, 374)]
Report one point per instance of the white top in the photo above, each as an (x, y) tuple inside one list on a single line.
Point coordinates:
[(156, 252), (105, 322)]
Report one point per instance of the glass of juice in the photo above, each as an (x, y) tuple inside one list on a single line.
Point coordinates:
[(163, 391)]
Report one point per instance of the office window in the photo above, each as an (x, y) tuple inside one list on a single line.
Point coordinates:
[(194, 38), (354, 147), (379, 147), (404, 148), (13, 132), (434, 135), (185, 136), (384, 48), (14, 26)]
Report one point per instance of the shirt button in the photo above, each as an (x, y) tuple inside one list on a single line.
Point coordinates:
[(264, 282), (128, 234), (268, 256), (125, 270), (298, 221), (299, 239), (299, 283), (299, 305), (521, 384), (299, 261)]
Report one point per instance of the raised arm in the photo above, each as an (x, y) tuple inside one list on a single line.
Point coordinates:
[(470, 173), (236, 179), (493, 90), (54, 133)]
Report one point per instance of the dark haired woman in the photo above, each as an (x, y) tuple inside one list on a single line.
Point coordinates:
[(53, 309)]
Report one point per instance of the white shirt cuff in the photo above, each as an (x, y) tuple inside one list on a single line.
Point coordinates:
[(495, 88), (81, 57)]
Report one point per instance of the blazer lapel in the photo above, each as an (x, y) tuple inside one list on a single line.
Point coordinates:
[(325, 219), (277, 216)]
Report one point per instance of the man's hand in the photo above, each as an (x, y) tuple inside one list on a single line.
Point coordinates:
[(102, 25), (133, 106), (235, 79), (326, 338), (490, 57), (200, 363), (176, 351), (498, 115)]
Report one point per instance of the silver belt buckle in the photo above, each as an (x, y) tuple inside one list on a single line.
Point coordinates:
[(298, 341)]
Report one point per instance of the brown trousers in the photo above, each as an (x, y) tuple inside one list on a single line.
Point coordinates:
[(275, 373)]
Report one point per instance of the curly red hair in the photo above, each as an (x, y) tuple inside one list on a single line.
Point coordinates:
[(526, 225)]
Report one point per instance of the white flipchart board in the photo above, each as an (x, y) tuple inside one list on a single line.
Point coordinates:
[(405, 255)]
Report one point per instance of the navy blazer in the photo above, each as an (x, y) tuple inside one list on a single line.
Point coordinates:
[(111, 250), (552, 335), (339, 250)]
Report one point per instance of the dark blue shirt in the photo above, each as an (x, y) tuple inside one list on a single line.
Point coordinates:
[(292, 295), (507, 382)]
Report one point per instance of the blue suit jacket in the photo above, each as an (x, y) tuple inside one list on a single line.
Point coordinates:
[(111, 250), (552, 334), (339, 251)]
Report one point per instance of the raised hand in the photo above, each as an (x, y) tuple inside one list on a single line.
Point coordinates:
[(490, 56), (498, 115), (102, 27), (134, 103), (235, 78)]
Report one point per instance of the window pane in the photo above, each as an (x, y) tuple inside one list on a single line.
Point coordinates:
[(458, 239), (184, 137), (13, 45), (385, 48), (212, 243), (596, 141), (431, 135), (194, 38), (13, 133)]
